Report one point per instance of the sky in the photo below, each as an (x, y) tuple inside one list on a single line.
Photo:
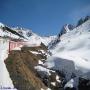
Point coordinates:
[(44, 17)]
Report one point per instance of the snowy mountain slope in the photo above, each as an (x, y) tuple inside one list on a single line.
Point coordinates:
[(72, 53), (75, 44), (33, 37), (7, 32), (25, 34), (65, 29)]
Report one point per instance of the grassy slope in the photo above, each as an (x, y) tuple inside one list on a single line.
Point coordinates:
[(20, 65)]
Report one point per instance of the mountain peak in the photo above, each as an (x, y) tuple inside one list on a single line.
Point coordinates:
[(1, 24), (66, 28), (82, 20)]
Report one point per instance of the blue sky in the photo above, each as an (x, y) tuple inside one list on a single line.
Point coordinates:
[(45, 17)]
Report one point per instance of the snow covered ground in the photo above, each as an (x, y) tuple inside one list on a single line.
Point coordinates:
[(5, 81)]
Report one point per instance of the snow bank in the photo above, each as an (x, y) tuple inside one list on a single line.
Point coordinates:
[(43, 69), (5, 81), (34, 52)]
